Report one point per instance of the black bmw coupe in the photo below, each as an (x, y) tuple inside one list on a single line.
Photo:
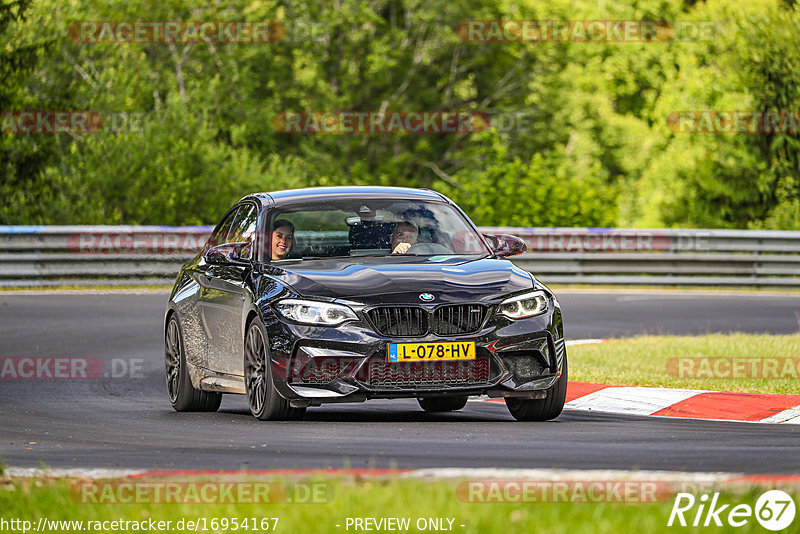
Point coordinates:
[(344, 294)]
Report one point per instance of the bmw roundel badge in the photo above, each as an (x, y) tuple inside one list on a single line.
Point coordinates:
[(426, 297)]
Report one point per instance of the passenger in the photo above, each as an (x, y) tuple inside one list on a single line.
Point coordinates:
[(282, 239), (404, 235)]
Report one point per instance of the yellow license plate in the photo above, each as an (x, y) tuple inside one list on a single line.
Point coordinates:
[(413, 352)]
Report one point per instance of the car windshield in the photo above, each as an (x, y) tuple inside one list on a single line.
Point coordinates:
[(359, 228)]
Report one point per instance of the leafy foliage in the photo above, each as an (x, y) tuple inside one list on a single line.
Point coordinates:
[(589, 143)]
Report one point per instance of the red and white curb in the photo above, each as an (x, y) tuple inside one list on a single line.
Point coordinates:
[(685, 403), (679, 403), (682, 403)]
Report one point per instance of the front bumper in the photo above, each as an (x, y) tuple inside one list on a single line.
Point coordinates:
[(315, 365)]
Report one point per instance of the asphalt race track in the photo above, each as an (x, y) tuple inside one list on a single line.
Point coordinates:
[(127, 422)]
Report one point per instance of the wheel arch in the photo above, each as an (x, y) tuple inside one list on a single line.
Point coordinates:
[(252, 314), (167, 316)]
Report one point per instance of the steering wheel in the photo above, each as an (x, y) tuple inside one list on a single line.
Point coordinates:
[(428, 248)]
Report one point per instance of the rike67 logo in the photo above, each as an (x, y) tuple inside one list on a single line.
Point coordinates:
[(774, 510)]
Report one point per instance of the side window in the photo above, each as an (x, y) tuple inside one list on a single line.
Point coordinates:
[(220, 235), (244, 228)]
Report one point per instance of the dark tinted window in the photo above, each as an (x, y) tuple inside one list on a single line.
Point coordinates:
[(376, 227), (220, 235), (244, 228)]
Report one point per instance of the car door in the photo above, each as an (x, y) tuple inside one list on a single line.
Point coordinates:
[(224, 296), (190, 301)]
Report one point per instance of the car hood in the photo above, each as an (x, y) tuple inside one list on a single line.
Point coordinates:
[(402, 279)]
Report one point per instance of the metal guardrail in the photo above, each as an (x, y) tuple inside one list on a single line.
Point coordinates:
[(36, 256), (660, 257), (41, 256)]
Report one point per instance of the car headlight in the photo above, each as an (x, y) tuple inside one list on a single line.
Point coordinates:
[(316, 313), (527, 305)]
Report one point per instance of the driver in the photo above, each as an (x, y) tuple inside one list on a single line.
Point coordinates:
[(282, 239), (403, 236)]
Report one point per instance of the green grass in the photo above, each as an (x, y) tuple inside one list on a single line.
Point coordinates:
[(34, 498), (645, 361)]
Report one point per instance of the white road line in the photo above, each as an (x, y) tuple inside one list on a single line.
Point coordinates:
[(788, 417), (77, 472), (572, 342), (431, 473), (568, 474)]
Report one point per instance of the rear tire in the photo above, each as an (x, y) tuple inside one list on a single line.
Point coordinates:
[(542, 409), (182, 395), (442, 404), (264, 400)]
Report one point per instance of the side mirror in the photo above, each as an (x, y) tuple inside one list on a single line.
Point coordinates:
[(227, 254), (504, 245)]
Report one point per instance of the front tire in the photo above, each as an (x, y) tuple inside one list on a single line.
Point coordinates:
[(264, 400), (442, 404), (182, 395), (542, 409)]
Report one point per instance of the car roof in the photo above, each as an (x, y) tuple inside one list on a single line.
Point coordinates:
[(323, 194)]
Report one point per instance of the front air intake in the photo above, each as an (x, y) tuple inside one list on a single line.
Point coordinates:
[(458, 319), (399, 321)]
